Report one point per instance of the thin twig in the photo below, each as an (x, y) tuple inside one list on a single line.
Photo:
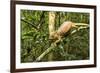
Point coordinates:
[(29, 23), (41, 20)]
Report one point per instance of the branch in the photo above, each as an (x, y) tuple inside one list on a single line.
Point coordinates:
[(41, 20), (81, 24), (29, 23), (45, 52), (79, 28)]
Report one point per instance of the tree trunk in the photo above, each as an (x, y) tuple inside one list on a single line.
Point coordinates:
[(51, 22), (51, 29)]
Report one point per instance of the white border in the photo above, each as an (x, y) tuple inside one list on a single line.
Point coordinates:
[(57, 63)]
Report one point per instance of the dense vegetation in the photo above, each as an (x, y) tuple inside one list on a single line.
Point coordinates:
[(35, 36)]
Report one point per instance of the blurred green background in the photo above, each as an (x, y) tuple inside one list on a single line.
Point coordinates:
[(35, 36)]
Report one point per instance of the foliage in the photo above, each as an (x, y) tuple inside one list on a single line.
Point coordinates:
[(35, 36)]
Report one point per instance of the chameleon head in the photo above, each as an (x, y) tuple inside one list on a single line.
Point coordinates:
[(54, 35)]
